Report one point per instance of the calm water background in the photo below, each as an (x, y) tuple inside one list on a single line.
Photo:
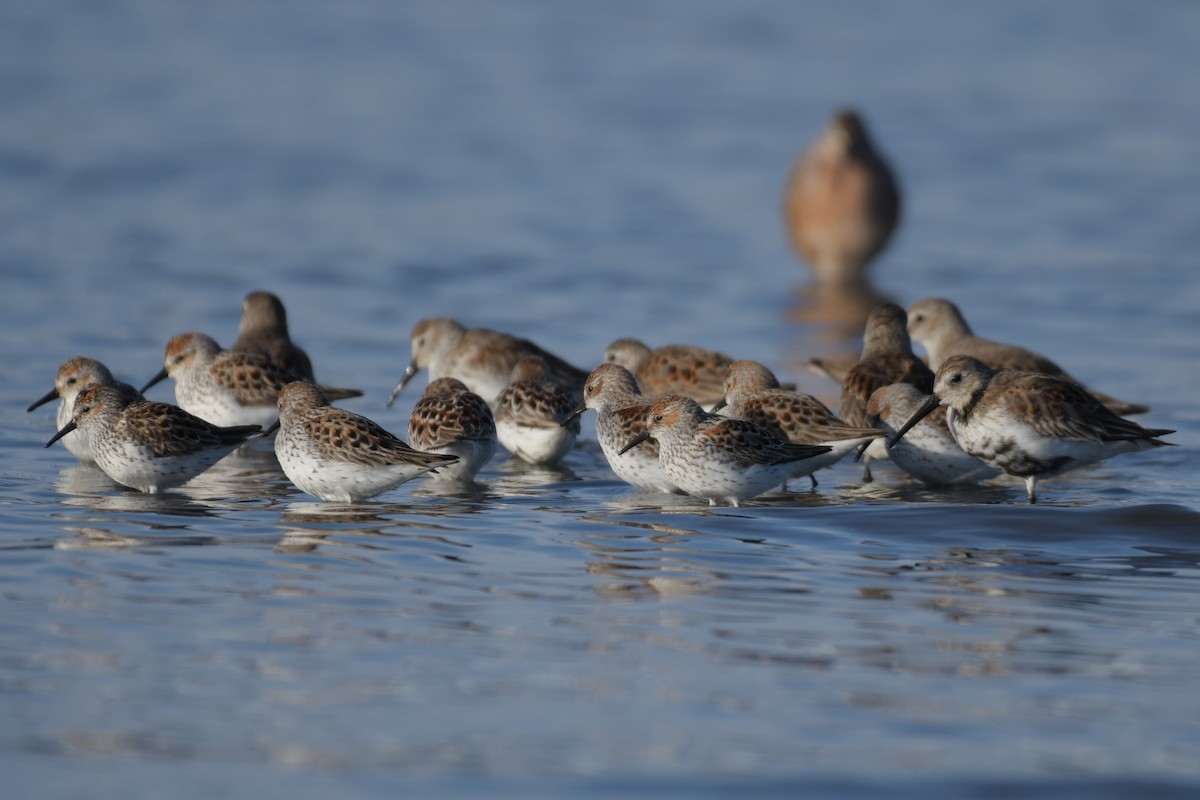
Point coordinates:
[(576, 173)]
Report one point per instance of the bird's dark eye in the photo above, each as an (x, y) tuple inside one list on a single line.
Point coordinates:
[(72, 381), (956, 377), (658, 417), (919, 318)]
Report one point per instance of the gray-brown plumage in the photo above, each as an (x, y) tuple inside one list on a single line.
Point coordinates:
[(937, 325), (621, 411), (264, 331), (753, 393), (1028, 424), (225, 387), (718, 458), (532, 415), (842, 202), (450, 418), (887, 358), (695, 372), (482, 359), (148, 446), (72, 376), (337, 455), (927, 452)]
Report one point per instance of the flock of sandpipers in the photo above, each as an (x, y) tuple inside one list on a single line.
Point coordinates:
[(973, 410)]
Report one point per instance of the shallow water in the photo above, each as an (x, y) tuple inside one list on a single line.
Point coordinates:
[(575, 175)]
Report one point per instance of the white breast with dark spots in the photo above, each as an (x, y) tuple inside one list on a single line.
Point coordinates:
[(639, 466), (1013, 447)]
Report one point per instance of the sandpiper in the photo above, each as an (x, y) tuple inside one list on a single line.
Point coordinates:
[(482, 359), (224, 387), (937, 325), (684, 369), (149, 446), (887, 358), (752, 392), (72, 376), (718, 458), (339, 456), (453, 420), (842, 202), (1028, 424), (928, 451), (264, 331), (621, 413), (531, 415)]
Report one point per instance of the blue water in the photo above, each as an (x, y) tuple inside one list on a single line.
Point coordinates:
[(575, 173)]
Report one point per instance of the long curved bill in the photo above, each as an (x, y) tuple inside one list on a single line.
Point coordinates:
[(578, 411), (70, 426), (50, 395), (921, 413), (634, 442), (409, 371), (719, 405), (159, 377)]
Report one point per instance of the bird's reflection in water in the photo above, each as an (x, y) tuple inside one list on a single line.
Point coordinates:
[(246, 475), (831, 321), (654, 559), (660, 502), (308, 525), (89, 489), (451, 488), (85, 480), (637, 552), (89, 537), (517, 478), (837, 313), (295, 541)]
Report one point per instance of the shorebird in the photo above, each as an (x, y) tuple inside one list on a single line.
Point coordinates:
[(928, 451), (621, 413), (148, 446), (842, 202), (482, 359), (683, 369), (752, 392), (451, 419), (339, 456), (72, 376), (718, 458), (224, 387), (532, 415), (264, 331), (1028, 424), (937, 325), (886, 358)]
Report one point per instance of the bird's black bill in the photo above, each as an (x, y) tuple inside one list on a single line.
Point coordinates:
[(566, 421), (273, 427), (50, 395), (921, 413), (70, 426), (720, 404), (409, 371), (159, 377), (641, 437)]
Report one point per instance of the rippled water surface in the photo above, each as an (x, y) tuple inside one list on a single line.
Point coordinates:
[(577, 173)]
